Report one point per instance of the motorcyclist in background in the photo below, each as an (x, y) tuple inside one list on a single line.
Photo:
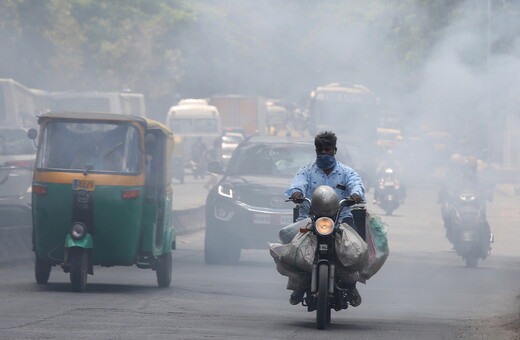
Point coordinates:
[(461, 174), (326, 170), (389, 161)]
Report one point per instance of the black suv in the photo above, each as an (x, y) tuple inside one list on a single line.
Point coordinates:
[(247, 208)]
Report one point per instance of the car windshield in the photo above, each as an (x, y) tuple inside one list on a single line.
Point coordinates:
[(270, 159), (15, 142), (90, 146)]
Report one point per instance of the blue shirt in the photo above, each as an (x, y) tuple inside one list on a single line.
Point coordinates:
[(342, 178)]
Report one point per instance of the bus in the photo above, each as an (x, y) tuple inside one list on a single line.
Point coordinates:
[(20, 105)]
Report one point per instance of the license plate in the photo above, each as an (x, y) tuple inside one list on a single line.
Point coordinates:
[(84, 184), (323, 247), (261, 219)]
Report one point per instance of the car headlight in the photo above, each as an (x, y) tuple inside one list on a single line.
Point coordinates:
[(225, 190), (324, 226), (78, 231)]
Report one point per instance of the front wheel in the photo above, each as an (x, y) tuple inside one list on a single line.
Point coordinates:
[(42, 271), (164, 270), (323, 308), (78, 269)]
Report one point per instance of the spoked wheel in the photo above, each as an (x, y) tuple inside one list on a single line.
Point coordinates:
[(164, 270), (78, 269), (323, 308), (42, 271)]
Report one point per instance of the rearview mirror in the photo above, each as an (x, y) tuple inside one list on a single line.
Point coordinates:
[(32, 134)]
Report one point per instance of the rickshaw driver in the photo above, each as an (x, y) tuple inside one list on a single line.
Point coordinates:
[(101, 156)]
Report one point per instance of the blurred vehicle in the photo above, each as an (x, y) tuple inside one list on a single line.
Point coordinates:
[(230, 141), (17, 155), (467, 226), (276, 118), (193, 119), (387, 193), (350, 105), (101, 195), (247, 207), (248, 112)]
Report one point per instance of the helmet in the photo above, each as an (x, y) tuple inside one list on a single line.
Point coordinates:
[(325, 201)]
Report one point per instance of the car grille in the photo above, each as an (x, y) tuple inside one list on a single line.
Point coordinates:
[(266, 201)]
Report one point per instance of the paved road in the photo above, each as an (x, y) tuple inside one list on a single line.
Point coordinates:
[(423, 291)]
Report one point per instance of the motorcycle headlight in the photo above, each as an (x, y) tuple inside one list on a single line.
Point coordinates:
[(225, 190), (324, 226), (467, 197), (78, 230)]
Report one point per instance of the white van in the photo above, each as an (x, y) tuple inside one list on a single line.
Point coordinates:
[(191, 119)]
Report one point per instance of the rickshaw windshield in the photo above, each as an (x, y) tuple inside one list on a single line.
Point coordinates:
[(90, 146)]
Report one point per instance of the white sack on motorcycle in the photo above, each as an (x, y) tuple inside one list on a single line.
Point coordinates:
[(351, 250), (300, 251)]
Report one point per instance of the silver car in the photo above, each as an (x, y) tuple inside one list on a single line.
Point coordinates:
[(17, 156)]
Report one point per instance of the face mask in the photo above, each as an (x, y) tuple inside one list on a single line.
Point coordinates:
[(325, 162)]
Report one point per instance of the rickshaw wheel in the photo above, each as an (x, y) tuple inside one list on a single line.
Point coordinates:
[(42, 271), (164, 270), (78, 269)]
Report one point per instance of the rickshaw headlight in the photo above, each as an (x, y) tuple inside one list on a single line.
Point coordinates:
[(78, 230), (324, 226)]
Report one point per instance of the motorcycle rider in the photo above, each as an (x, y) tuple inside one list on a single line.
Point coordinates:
[(390, 167), (326, 170), (461, 174)]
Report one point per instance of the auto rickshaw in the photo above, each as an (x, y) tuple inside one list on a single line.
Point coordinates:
[(101, 195)]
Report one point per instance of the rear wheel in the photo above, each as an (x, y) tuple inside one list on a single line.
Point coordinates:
[(164, 270), (78, 269), (42, 271), (323, 308)]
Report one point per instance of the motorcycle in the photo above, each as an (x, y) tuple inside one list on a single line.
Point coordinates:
[(468, 228), (387, 194), (327, 291)]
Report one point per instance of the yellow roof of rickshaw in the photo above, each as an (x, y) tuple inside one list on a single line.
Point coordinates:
[(148, 123)]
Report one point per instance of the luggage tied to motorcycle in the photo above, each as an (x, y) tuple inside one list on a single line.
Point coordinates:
[(359, 259)]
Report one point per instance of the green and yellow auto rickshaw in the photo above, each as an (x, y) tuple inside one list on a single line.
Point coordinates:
[(101, 195)]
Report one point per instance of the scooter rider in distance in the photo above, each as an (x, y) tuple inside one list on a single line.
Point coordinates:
[(326, 170)]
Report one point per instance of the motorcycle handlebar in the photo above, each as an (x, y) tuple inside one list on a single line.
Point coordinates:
[(346, 202)]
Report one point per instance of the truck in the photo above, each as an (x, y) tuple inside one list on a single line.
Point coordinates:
[(242, 111), (353, 108), (20, 105)]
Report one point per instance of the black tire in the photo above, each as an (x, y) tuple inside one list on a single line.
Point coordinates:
[(389, 212), (471, 261), (219, 249), (164, 270), (42, 271), (323, 308), (78, 259)]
